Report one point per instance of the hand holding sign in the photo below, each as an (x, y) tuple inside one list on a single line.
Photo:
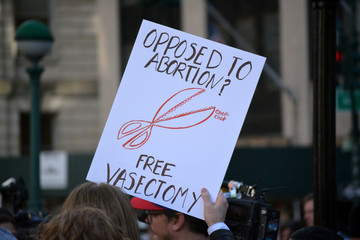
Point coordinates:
[(214, 212)]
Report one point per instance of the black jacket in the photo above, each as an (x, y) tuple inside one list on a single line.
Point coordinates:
[(222, 234)]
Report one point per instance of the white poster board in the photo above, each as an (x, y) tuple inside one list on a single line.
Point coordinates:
[(176, 118)]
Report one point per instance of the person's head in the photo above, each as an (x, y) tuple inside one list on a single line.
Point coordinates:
[(109, 198), (7, 221), (315, 233), (354, 223), (308, 209), (6, 234), (288, 228), (80, 223), (166, 223)]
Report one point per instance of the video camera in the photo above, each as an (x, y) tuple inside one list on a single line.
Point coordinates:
[(13, 195), (250, 216)]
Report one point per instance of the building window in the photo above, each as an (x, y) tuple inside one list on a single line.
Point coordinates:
[(257, 22), (34, 9), (165, 12), (46, 129)]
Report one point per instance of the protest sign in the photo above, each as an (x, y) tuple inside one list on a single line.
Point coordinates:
[(176, 118)]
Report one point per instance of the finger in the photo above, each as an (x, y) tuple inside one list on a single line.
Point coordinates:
[(220, 196), (205, 195), (221, 199)]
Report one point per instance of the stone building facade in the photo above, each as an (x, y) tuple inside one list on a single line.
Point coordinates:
[(92, 42), (69, 84)]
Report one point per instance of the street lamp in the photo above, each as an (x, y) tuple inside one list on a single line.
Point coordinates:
[(34, 40)]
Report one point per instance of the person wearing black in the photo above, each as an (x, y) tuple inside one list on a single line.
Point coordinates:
[(168, 224), (315, 233)]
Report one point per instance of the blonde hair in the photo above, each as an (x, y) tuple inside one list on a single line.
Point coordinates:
[(83, 223), (111, 199)]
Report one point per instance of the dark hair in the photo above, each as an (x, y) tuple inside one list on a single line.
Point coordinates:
[(307, 197), (6, 216), (291, 225), (195, 225), (315, 233), (354, 221)]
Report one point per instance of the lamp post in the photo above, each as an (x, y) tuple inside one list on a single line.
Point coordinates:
[(34, 40), (324, 113)]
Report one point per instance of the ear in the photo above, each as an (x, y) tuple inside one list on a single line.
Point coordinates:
[(178, 222)]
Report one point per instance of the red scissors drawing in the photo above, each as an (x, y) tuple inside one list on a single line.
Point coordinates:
[(180, 111)]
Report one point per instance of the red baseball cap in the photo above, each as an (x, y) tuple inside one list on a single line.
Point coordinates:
[(142, 204)]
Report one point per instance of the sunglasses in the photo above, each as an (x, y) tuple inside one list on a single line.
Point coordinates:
[(145, 215)]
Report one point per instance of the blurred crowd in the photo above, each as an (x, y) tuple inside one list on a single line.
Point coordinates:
[(101, 211), (349, 232)]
